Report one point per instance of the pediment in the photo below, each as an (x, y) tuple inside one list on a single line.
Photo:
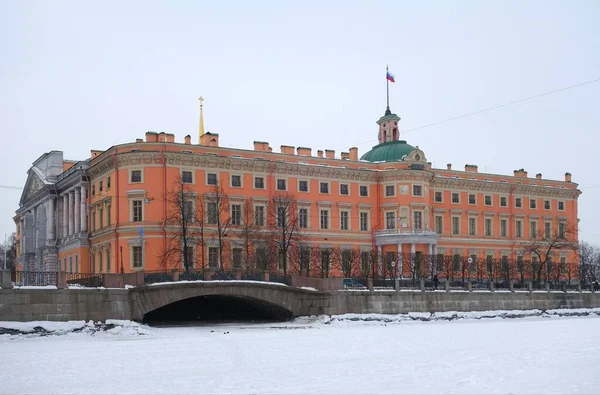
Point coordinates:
[(33, 185), (416, 155)]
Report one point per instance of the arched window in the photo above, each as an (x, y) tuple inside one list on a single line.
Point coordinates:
[(395, 134)]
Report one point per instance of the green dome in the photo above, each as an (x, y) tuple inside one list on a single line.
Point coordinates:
[(391, 151)]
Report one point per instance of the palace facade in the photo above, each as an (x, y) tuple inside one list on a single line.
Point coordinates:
[(108, 213)]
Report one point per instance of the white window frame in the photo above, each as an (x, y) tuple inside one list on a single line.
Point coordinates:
[(549, 204), (189, 171), (452, 225), (132, 256), (347, 212), (422, 214), (206, 173), (518, 221), (385, 190), (359, 193), (491, 200), (441, 196), (520, 199), (131, 215), (505, 201), (141, 170), (328, 188), (441, 229), (558, 202), (307, 185), (264, 183), (452, 197), (277, 184), (474, 199), (491, 228), (321, 211), (218, 265), (241, 176), (535, 203), (422, 190), (385, 218), (340, 189), (547, 232), (367, 215), (254, 211), (537, 229), (474, 230), (505, 233), (231, 213), (307, 217)]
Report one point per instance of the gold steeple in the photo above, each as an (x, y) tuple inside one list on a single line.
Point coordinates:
[(201, 127)]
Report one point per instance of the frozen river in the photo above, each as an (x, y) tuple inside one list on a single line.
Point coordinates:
[(529, 355)]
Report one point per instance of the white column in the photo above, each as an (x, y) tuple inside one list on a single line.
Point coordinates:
[(35, 227), (77, 211), (380, 260), (434, 251), (48, 223), (70, 212), (22, 235), (400, 260), (83, 209), (430, 252), (65, 217)]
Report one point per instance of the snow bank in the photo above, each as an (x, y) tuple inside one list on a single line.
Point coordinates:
[(384, 319), (48, 328)]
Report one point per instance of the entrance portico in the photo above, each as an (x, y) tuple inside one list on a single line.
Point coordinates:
[(401, 236)]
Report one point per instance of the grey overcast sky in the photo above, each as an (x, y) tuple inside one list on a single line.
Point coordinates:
[(82, 75)]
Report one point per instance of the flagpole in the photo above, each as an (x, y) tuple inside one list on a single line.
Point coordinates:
[(387, 87)]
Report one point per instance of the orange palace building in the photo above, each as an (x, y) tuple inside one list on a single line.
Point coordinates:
[(107, 213)]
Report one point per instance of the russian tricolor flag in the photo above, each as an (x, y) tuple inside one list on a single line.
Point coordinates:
[(389, 76)]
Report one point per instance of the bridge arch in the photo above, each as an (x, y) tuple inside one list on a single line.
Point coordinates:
[(149, 298)]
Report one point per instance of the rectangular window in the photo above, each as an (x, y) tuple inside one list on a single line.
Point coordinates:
[(561, 205), (439, 224), (186, 177), (324, 187), (108, 182), (438, 197), (236, 181), (472, 198), (532, 203), (503, 201), (417, 220), (455, 197), (302, 186), (93, 215), (259, 183), (281, 217), (188, 211), (487, 200), (364, 191), (417, 190), (71, 264), (281, 184), (503, 228), (211, 213), (561, 230), (324, 219), (211, 179), (303, 218), (546, 204), (472, 226), (236, 257), (236, 214), (213, 257), (259, 215), (93, 189), (260, 257), (304, 259), (107, 215), (344, 190), (100, 261), (364, 221), (100, 186), (488, 226), (519, 228), (137, 210), (547, 230), (137, 256), (101, 215), (390, 190), (136, 176), (107, 260), (455, 225), (189, 253), (390, 220), (518, 202), (533, 229), (344, 220)]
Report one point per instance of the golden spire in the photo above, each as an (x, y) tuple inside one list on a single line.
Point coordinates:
[(201, 128)]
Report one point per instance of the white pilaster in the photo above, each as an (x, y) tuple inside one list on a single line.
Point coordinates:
[(400, 261), (83, 209), (77, 211), (65, 222), (48, 219), (22, 246), (35, 227), (70, 212)]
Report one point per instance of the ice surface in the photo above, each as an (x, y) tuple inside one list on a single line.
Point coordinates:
[(541, 353)]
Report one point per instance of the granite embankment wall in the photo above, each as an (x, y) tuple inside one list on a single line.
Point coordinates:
[(27, 304)]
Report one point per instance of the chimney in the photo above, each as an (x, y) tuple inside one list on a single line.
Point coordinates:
[(287, 150), (449, 166), (521, 173), (353, 153), (261, 146), (151, 137), (319, 153), (304, 151), (187, 140), (471, 168), (139, 140), (538, 176), (345, 155), (95, 153), (170, 138), (567, 177), (210, 139), (162, 137), (330, 154)]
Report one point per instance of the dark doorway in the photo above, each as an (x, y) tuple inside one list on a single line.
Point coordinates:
[(218, 309)]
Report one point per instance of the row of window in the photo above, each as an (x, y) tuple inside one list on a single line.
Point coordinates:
[(72, 266), (102, 183), (503, 201), (99, 216), (488, 228)]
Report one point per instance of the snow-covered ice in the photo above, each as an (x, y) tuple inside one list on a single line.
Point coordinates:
[(350, 354)]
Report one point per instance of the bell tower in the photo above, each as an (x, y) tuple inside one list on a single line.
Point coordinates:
[(388, 127)]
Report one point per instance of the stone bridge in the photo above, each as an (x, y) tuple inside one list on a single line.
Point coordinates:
[(293, 301)]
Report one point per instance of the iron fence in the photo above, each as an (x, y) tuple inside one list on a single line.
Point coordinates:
[(85, 280), (34, 279)]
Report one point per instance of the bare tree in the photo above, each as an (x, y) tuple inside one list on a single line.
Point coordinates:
[(284, 226), (350, 262), (249, 233), (522, 267), (218, 216), (589, 261), (184, 229), (544, 246), (8, 252)]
